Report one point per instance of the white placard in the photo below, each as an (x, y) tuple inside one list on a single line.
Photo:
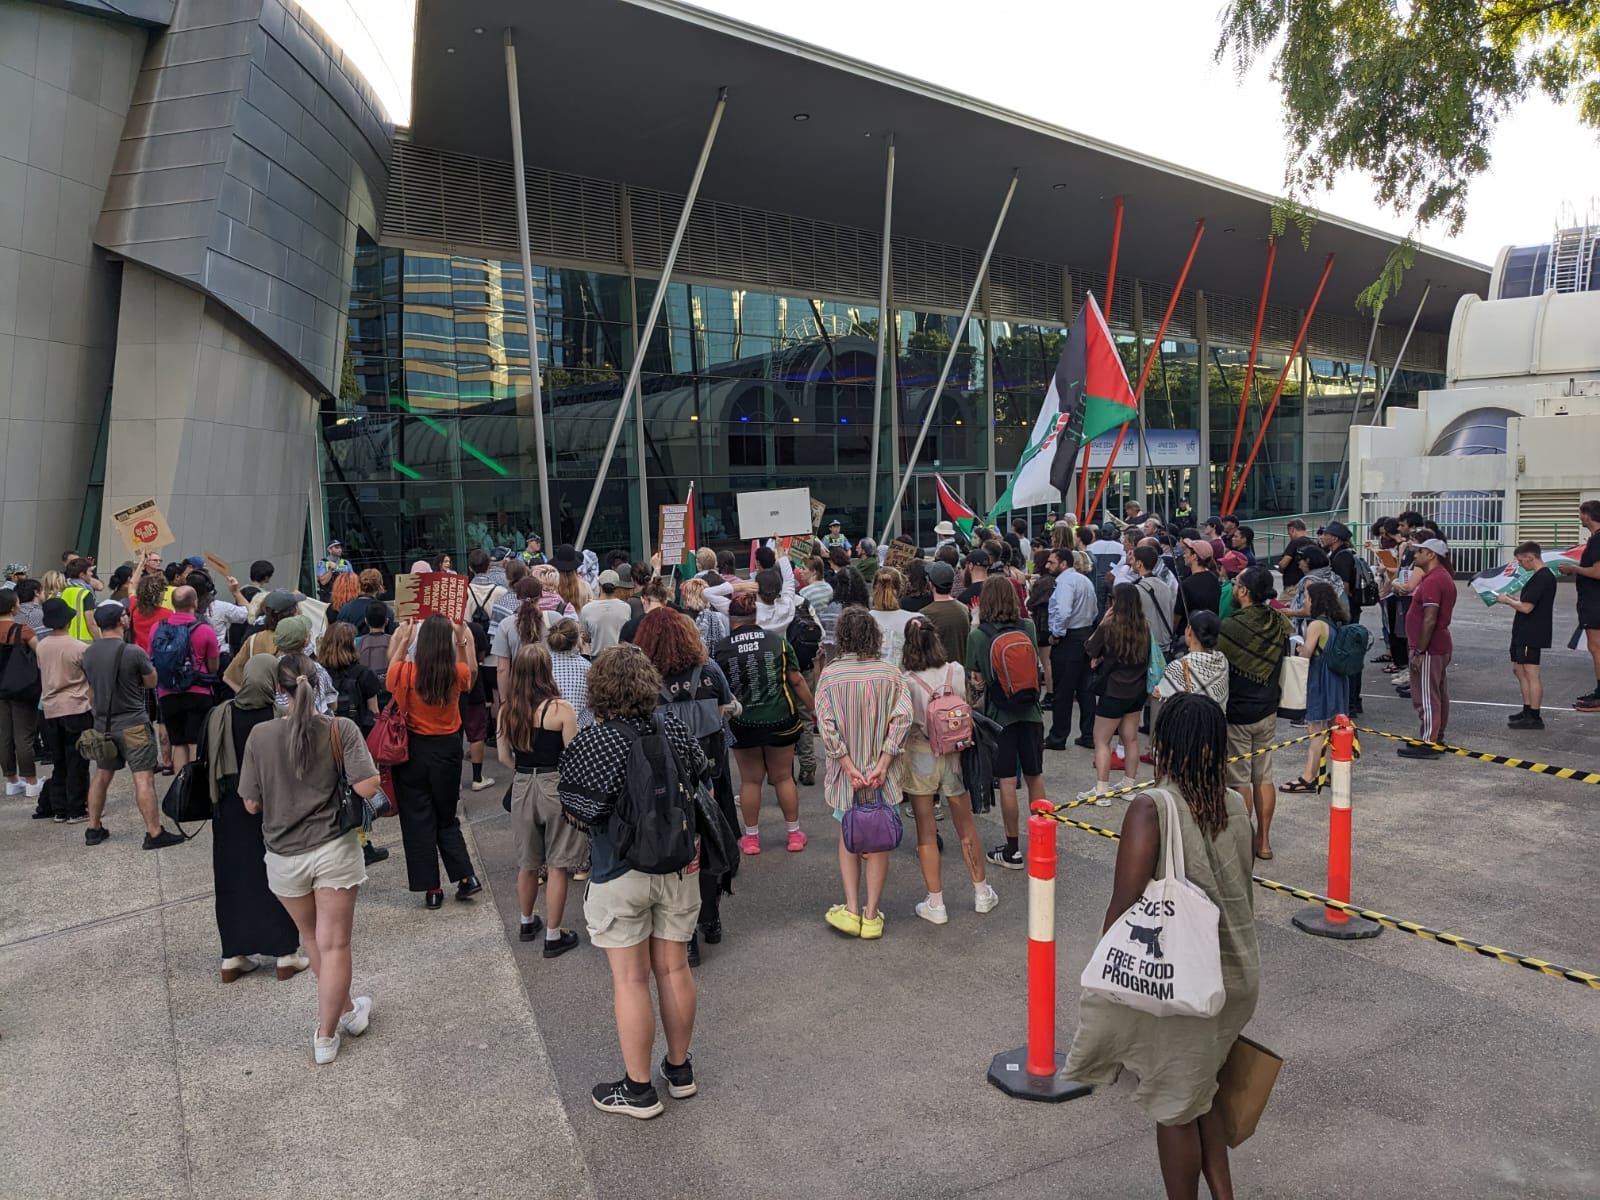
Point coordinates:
[(784, 512)]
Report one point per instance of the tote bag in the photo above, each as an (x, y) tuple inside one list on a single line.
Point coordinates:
[(1293, 677), (1162, 956)]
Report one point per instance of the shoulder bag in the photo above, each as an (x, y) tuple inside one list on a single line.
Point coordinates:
[(1163, 955), (189, 796), (389, 742), (96, 744), (20, 682), (873, 827), (353, 813)]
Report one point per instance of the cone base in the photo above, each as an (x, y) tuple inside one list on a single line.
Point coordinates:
[(1314, 920), (1009, 1072)]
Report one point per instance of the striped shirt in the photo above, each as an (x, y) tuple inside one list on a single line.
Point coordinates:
[(863, 708)]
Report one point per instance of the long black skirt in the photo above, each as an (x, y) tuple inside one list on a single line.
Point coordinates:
[(250, 919)]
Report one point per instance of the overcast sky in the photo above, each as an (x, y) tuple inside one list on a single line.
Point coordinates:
[(1140, 74)]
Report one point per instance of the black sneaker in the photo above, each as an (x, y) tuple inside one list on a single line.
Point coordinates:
[(530, 929), (165, 838), (42, 814), (1410, 751), (567, 941), (1086, 742), (680, 1080), (1010, 859), (1526, 720), (622, 1097), (711, 933), (807, 778), (374, 854), (468, 888), (694, 950), (93, 836), (1055, 743), (1591, 698)]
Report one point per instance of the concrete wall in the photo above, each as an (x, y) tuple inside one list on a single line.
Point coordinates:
[(252, 152), (221, 432), (65, 81)]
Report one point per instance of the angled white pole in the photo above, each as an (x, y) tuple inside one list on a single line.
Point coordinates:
[(1383, 398), (545, 511), (885, 323), (650, 322), (1361, 387), (950, 359)]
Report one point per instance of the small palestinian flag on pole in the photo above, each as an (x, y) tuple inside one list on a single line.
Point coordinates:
[(688, 566), (1088, 395), (960, 515)]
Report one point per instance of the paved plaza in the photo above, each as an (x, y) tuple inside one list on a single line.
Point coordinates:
[(827, 1068)]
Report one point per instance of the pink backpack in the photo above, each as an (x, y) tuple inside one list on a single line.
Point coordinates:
[(949, 718)]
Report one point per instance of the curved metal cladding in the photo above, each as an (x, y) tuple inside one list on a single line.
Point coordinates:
[(251, 153)]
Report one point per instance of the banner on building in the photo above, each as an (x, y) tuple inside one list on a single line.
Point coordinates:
[(428, 592)]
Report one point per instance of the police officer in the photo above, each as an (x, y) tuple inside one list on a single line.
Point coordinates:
[(833, 538), (534, 554), (1050, 522), (333, 564)]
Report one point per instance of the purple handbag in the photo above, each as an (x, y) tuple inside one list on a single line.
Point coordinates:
[(873, 827)]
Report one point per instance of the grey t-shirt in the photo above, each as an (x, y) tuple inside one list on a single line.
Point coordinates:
[(603, 621), (119, 701), (300, 814)]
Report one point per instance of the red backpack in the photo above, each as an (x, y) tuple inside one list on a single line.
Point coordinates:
[(1013, 667), (949, 724)]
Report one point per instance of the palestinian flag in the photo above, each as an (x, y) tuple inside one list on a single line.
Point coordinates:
[(1552, 557), (688, 568), (1501, 581), (960, 515), (1088, 395)]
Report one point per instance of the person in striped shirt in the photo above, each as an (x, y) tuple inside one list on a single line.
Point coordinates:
[(864, 713)]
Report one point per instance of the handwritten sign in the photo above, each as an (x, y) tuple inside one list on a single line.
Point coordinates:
[(673, 533), (143, 527), (899, 556), (818, 508), (425, 593), (801, 549)]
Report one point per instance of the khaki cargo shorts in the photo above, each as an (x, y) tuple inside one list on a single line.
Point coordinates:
[(544, 837), (624, 911), (1242, 739), (135, 748)]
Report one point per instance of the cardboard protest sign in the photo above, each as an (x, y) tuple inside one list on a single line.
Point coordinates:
[(800, 549), (899, 556), (143, 527), (218, 566), (818, 508), (423, 594)]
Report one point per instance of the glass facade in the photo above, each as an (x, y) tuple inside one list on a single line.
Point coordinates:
[(429, 446)]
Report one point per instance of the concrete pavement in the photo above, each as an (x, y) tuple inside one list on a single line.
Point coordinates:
[(828, 1067)]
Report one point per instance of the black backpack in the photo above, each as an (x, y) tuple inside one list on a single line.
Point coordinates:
[(1364, 592), (805, 635), (351, 703), (478, 622), (653, 826)]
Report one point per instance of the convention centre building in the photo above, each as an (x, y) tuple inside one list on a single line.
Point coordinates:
[(231, 282)]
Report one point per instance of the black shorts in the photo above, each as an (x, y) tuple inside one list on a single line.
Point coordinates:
[(1020, 744), (184, 715), (759, 737), (1527, 655), (1114, 709), (486, 673), (1589, 618)]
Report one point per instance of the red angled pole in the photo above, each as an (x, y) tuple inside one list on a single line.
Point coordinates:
[(1249, 375), (1111, 287), (1172, 305), (1283, 378)]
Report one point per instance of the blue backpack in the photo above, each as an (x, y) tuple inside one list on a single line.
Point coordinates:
[(172, 659)]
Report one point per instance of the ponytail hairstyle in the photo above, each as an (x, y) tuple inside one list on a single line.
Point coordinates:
[(530, 617), (297, 678)]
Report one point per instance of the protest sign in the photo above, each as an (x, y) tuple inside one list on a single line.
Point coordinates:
[(774, 513), (899, 556), (425, 593), (672, 533), (218, 566), (817, 509), (143, 527)]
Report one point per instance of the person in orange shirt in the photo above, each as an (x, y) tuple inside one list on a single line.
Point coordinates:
[(428, 688)]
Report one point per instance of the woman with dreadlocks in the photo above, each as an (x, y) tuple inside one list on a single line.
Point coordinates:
[(1177, 1058)]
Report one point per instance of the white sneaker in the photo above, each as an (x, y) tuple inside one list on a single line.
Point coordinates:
[(355, 1021), (1094, 794), (482, 784), (15, 787), (33, 790), (986, 901), (326, 1049), (938, 915)]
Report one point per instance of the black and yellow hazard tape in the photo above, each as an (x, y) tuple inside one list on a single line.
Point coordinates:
[(1422, 931), (1128, 789), (1521, 764)]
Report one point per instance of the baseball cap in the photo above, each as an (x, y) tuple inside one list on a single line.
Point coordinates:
[(58, 613), (1338, 529), (1438, 547), (280, 601), (109, 615), (1233, 562), (941, 575), (978, 558), (945, 529), (292, 634), (1201, 547), (194, 560), (610, 579)]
